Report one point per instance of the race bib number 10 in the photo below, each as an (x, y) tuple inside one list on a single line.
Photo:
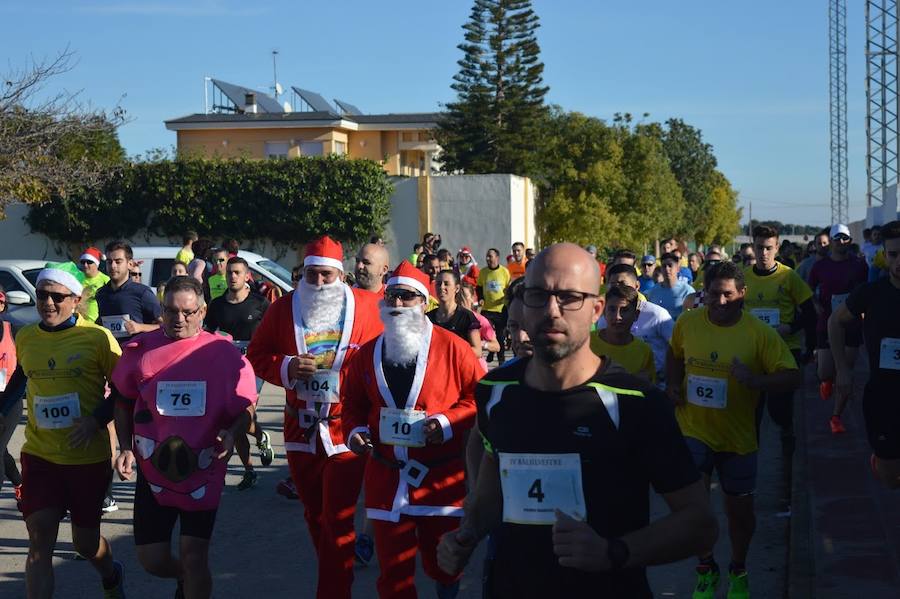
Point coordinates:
[(322, 387), (890, 354), (402, 427), (181, 398), (707, 391), (535, 485), (57, 411)]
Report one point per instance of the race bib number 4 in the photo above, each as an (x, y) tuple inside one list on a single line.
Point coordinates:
[(707, 391), (322, 387), (402, 427), (181, 398), (770, 316), (116, 324), (57, 411), (890, 354), (535, 485)]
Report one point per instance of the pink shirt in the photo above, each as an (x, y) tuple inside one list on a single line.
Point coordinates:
[(185, 392), (487, 334)]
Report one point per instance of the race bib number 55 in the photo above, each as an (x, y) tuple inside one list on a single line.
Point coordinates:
[(535, 485), (181, 398)]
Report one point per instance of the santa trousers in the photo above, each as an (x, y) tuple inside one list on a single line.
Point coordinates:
[(329, 488), (396, 544)]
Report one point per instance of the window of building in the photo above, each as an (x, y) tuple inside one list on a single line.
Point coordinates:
[(340, 148), (311, 148), (277, 149)]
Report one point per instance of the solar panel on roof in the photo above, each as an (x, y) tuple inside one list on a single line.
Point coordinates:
[(237, 93), (347, 107), (315, 101)]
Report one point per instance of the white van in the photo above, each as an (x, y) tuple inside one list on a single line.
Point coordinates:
[(156, 267)]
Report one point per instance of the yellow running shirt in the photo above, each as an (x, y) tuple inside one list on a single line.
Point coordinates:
[(774, 298), (635, 357), (91, 285), (719, 411), (217, 286), (67, 373), (185, 256), (494, 283)]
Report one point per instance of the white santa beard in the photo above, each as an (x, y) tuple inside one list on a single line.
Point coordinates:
[(321, 307), (403, 332)]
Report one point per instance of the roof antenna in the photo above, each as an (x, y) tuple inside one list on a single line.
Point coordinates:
[(277, 87)]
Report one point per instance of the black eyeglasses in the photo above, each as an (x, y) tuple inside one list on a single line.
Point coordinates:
[(58, 298), (135, 274), (404, 295), (538, 297), (173, 313)]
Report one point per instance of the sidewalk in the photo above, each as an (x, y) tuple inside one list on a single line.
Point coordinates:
[(846, 530)]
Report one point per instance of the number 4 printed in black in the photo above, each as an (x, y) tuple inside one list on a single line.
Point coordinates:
[(536, 492)]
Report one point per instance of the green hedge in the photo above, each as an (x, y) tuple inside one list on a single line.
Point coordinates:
[(287, 202)]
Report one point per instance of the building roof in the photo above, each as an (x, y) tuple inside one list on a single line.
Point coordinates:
[(422, 120), (237, 94)]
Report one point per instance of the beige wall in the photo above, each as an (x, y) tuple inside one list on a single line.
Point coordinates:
[(365, 144), (251, 143)]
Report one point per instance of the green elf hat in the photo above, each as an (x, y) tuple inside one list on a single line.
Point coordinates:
[(63, 273)]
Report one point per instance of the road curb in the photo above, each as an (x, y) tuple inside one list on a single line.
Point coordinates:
[(801, 556)]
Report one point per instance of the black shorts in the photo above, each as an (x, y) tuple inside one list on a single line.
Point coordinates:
[(154, 523), (852, 337), (882, 416)]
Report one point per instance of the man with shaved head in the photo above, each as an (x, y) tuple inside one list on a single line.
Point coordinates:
[(572, 445), (371, 266)]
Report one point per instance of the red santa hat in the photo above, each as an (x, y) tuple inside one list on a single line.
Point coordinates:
[(92, 254), (407, 274), (324, 251)]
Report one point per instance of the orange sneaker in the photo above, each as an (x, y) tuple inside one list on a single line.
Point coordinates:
[(18, 493), (825, 389), (837, 427)]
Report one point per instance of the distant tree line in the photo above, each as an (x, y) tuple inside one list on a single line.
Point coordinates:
[(787, 229)]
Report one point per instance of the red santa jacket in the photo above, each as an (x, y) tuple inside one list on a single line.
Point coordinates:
[(444, 387), (280, 337)]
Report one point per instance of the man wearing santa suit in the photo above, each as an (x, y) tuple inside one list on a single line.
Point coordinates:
[(409, 400), (304, 344)]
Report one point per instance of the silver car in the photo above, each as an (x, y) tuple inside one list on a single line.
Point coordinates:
[(18, 278)]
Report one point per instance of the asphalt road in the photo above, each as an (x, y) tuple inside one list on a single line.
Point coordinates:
[(261, 547)]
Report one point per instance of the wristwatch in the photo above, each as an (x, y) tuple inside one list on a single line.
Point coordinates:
[(617, 552)]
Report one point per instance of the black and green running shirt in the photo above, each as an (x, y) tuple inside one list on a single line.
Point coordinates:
[(624, 435)]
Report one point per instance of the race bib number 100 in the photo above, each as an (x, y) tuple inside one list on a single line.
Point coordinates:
[(890, 354), (322, 387), (58, 411), (535, 485), (707, 391), (181, 398)]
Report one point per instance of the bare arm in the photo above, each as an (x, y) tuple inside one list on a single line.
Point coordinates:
[(837, 322), (475, 342), (674, 377)]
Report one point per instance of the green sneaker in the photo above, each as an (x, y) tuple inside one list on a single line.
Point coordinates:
[(707, 582), (266, 453), (738, 585), (248, 481)]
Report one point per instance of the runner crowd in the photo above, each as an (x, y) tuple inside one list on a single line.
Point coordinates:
[(529, 403)]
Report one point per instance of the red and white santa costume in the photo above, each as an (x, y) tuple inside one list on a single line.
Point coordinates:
[(405, 518), (328, 477)]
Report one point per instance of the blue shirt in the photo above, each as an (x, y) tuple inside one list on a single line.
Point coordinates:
[(647, 283), (134, 299), (671, 298)]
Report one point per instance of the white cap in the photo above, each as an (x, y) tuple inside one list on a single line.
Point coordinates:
[(838, 229)]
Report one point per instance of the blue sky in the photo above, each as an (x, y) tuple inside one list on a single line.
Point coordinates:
[(752, 75)]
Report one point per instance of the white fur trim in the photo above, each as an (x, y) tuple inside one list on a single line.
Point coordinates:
[(414, 283), (90, 257), (286, 382), (323, 261), (445, 426), (61, 277)]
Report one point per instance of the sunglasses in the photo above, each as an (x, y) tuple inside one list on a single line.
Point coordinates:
[(86, 262), (221, 260), (135, 274), (401, 294), (841, 237), (58, 298)]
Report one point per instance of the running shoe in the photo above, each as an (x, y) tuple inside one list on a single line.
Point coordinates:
[(707, 582), (738, 585), (837, 427), (365, 549), (825, 389), (118, 591), (18, 492), (110, 505), (266, 453), (287, 489), (248, 481)]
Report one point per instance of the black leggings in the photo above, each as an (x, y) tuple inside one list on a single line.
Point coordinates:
[(12, 471)]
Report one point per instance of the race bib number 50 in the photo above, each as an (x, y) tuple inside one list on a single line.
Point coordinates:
[(707, 391), (116, 324), (57, 411), (181, 398), (535, 485)]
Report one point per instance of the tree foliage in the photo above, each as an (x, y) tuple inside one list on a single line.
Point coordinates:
[(492, 125), (47, 141), (287, 202)]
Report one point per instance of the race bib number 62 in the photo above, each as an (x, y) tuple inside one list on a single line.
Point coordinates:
[(707, 391)]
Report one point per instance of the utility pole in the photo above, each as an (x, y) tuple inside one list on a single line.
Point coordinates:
[(275, 74), (837, 88), (882, 140)]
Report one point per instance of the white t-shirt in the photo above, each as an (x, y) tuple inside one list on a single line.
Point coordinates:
[(654, 327)]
